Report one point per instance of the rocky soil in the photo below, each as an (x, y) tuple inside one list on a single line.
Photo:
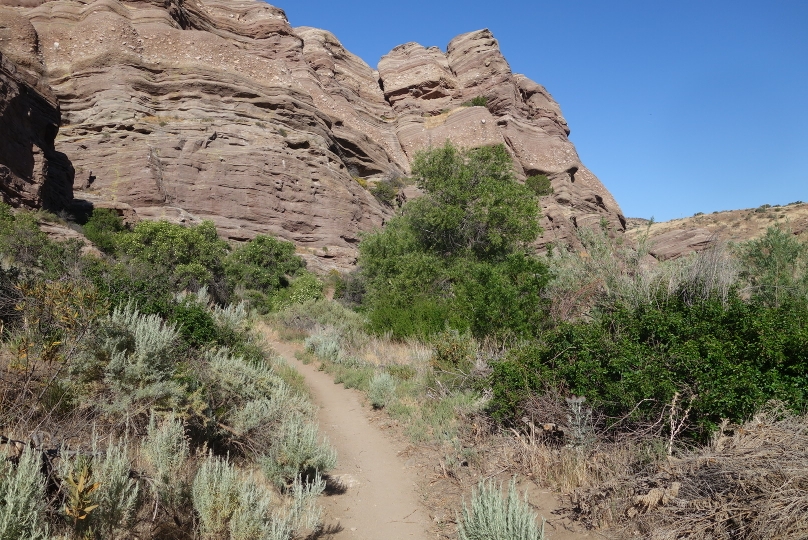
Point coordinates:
[(678, 237), (211, 109)]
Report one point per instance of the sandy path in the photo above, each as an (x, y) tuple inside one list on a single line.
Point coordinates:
[(380, 499)]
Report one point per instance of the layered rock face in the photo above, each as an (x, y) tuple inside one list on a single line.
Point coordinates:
[(32, 173), (214, 109), (427, 88)]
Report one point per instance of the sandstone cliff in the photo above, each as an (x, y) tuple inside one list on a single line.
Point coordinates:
[(191, 110), (32, 172)]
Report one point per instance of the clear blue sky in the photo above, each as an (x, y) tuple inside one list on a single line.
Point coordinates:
[(678, 106)]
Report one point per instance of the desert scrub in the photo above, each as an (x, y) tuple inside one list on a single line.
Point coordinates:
[(22, 499), (166, 451), (493, 516), (140, 362), (299, 452), (101, 498), (215, 496), (382, 390)]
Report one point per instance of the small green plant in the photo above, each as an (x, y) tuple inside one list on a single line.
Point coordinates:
[(22, 499), (382, 390), (479, 101), (384, 193), (282, 132), (215, 495), (493, 516), (299, 452), (79, 500), (540, 185)]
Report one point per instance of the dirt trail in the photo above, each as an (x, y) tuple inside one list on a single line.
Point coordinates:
[(380, 499)]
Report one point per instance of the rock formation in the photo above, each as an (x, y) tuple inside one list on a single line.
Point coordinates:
[(213, 109), (681, 237), (32, 172)]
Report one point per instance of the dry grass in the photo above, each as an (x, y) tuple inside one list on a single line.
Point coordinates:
[(732, 225), (750, 482)]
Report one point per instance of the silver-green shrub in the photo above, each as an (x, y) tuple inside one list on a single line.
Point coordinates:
[(304, 512), (22, 499), (382, 390), (254, 519), (232, 316), (141, 363), (117, 494), (166, 450), (298, 451), (215, 495), (493, 516), (250, 399), (326, 345)]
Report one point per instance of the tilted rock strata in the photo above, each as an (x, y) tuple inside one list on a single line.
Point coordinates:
[(32, 173), (427, 90), (215, 109)]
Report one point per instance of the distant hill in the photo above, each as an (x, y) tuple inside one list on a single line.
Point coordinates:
[(677, 237)]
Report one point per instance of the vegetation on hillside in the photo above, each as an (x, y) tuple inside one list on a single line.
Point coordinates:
[(579, 354), (160, 414), (135, 400)]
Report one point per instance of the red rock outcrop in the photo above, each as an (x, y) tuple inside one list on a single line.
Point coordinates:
[(213, 109), (32, 172)]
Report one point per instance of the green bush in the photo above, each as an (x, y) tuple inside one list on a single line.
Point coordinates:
[(732, 357), (458, 255), (540, 185), (102, 229), (382, 390), (192, 256), (776, 267), (264, 264), (384, 193), (479, 101), (493, 516)]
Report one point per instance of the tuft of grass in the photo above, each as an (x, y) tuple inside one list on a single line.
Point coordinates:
[(494, 516), (382, 390)]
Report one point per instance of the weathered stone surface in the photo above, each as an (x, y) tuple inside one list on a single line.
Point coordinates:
[(32, 172), (676, 243), (211, 109), (679, 237), (427, 90)]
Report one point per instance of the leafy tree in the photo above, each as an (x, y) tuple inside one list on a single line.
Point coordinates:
[(194, 256), (102, 228), (776, 266), (473, 205), (263, 264), (457, 256)]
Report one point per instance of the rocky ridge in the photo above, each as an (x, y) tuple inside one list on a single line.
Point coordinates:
[(213, 109), (679, 237)]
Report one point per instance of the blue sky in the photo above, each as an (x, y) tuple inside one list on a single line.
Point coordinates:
[(678, 106)]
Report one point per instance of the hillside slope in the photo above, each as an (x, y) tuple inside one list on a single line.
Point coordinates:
[(672, 239)]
